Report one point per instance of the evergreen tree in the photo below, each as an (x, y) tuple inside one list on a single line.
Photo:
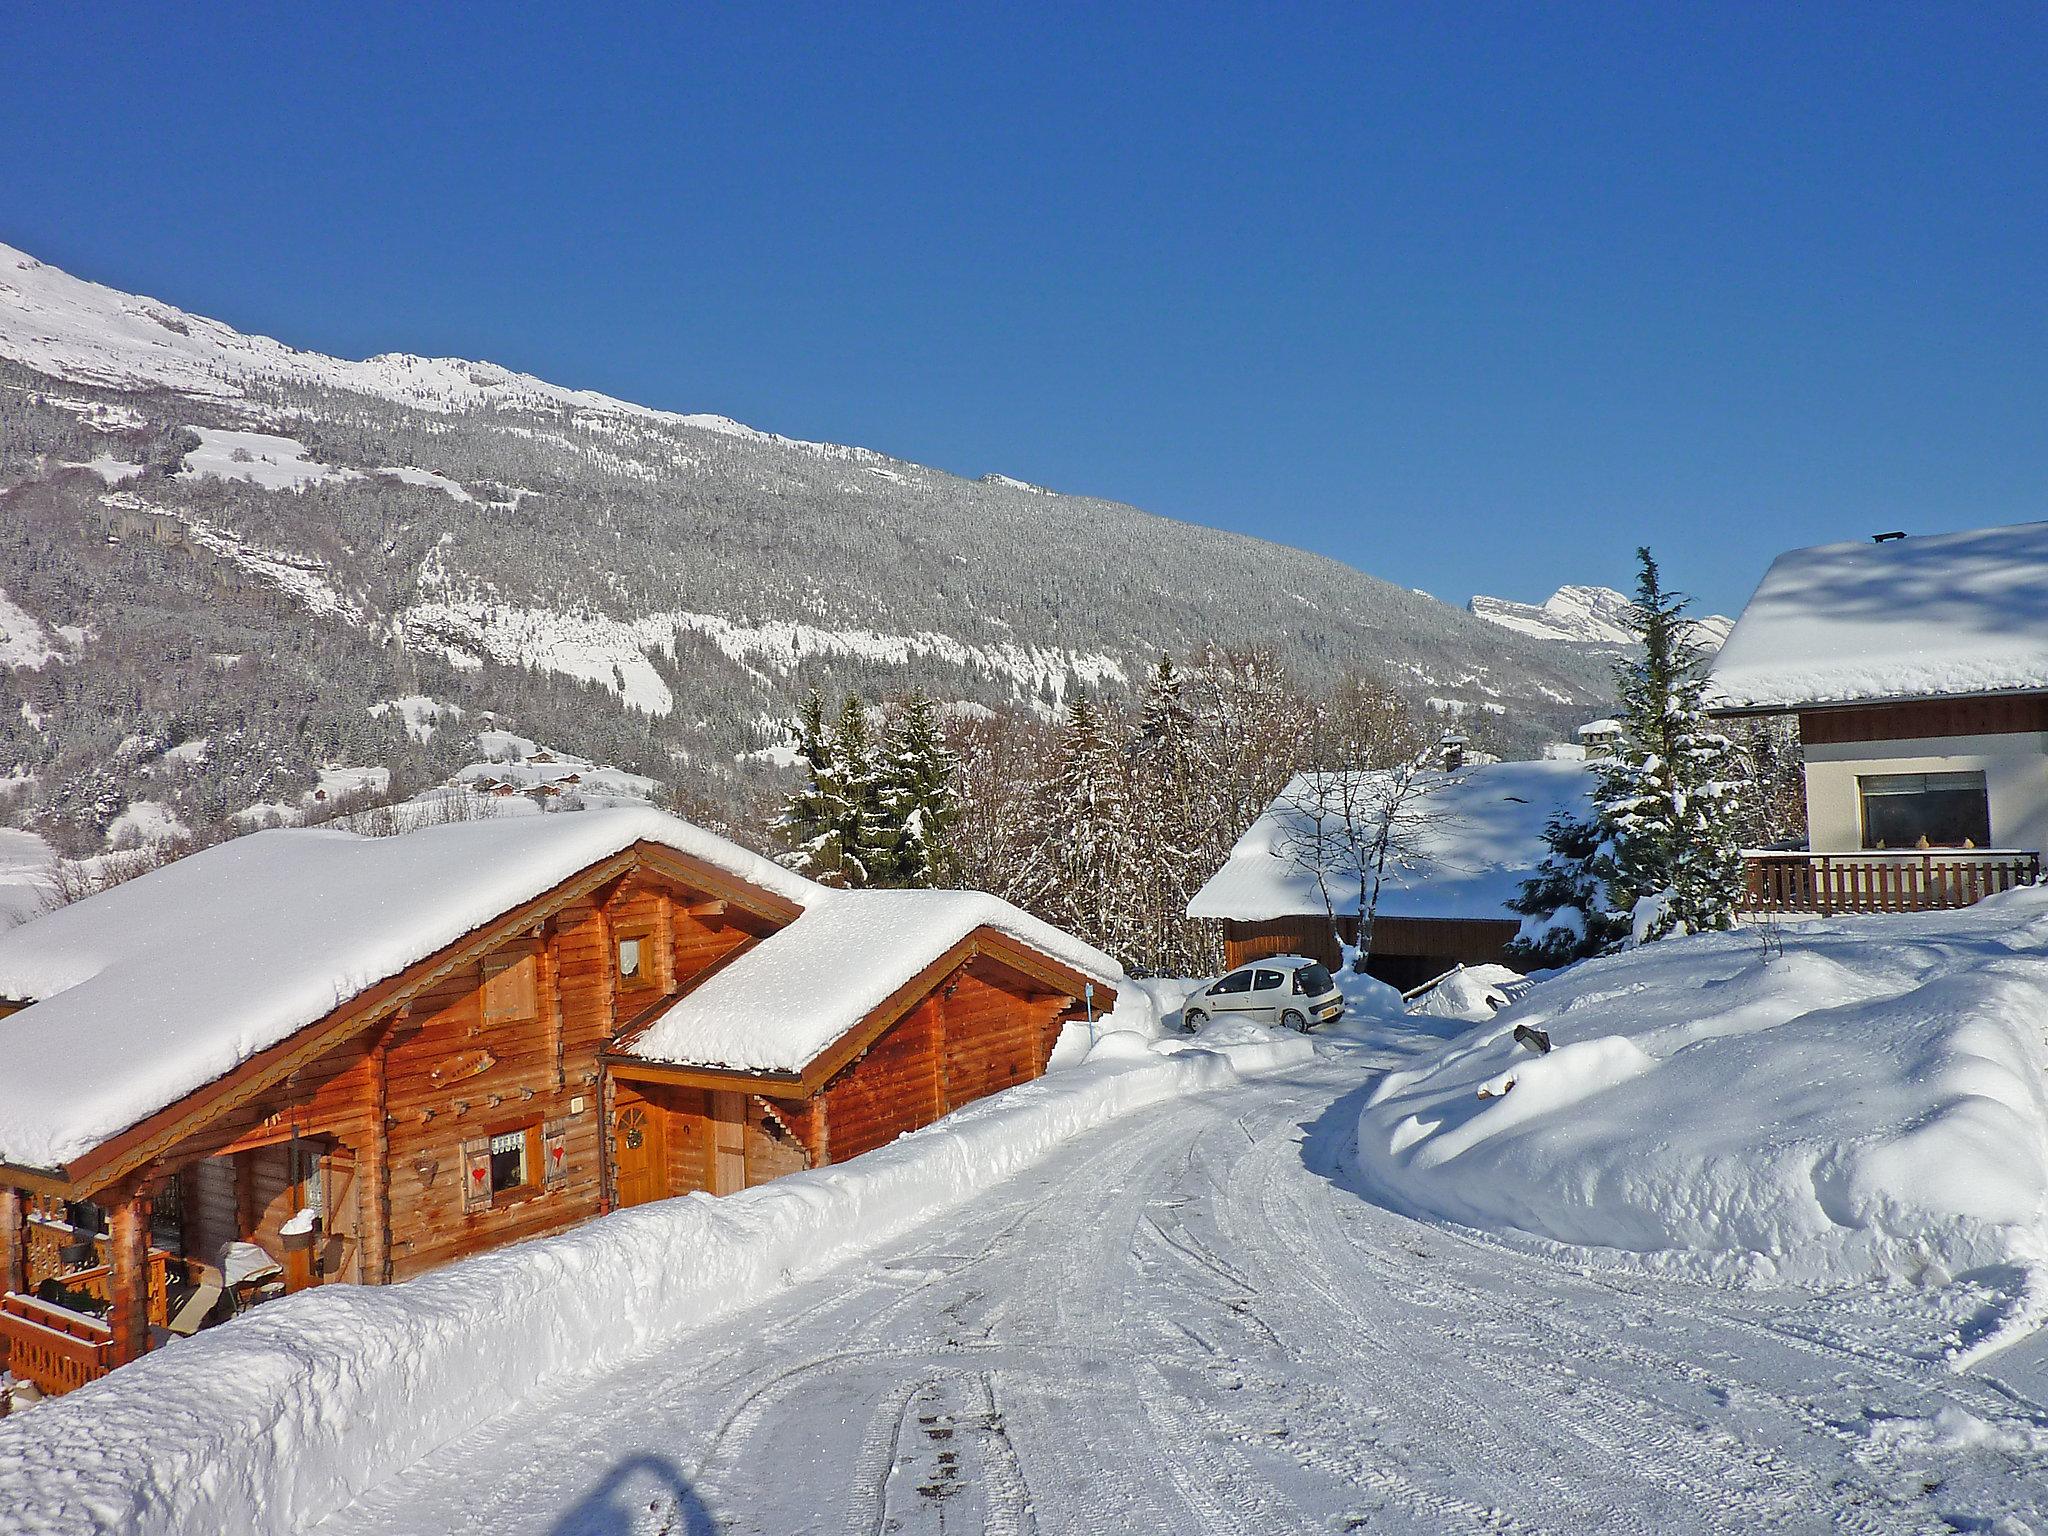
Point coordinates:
[(1564, 904), (860, 841), (919, 795), (1669, 796), (1085, 810), (805, 825), (1166, 800)]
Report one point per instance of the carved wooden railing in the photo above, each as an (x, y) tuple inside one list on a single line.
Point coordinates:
[(1905, 880), (52, 1346)]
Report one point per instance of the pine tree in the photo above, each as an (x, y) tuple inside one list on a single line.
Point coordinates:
[(919, 795), (1085, 810), (805, 824), (860, 842), (1166, 801), (1564, 904), (1669, 795)]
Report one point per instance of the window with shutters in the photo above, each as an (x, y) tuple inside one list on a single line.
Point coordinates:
[(510, 1166), (511, 989), (508, 1162)]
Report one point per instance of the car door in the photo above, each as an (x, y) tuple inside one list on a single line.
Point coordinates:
[(1269, 990), (1230, 994)]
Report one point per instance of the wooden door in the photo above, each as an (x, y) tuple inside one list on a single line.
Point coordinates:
[(341, 1249), (728, 1142), (638, 1164)]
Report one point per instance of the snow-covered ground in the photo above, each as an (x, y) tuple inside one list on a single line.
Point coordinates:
[(1190, 1321), (1861, 1100), (1151, 1296)]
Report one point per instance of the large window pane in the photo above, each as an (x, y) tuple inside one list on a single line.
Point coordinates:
[(1932, 810)]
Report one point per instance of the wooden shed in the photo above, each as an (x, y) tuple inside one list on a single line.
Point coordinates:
[(1468, 842), (865, 1018), (305, 1057)]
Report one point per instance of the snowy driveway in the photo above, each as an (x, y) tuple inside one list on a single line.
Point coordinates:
[(1185, 1323)]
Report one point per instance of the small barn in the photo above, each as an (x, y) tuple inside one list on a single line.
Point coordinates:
[(1471, 837), (308, 1057), (874, 1012)]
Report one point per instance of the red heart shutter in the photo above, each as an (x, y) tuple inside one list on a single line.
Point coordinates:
[(476, 1175)]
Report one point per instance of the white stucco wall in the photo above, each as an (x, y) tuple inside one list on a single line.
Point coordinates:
[(2015, 768)]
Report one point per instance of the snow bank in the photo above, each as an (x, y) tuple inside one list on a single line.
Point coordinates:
[(1474, 993), (1869, 1102), (273, 1421)]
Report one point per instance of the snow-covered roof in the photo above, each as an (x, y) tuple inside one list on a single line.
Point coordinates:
[(1478, 836), (1930, 616), (157, 987), (789, 997)]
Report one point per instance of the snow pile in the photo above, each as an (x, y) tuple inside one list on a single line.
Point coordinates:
[(175, 978), (1475, 835), (1474, 993), (1870, 1101), (775, 1007), (1945, 614), (275, 1420), (23, 640)]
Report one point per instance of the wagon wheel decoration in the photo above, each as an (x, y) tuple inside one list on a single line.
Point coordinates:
[(631, 1124)]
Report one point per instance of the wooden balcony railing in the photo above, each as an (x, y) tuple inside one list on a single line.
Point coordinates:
[(52, 1346), (1905, 880)]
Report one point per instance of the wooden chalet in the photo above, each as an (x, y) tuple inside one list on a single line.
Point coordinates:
[(305, 1057), (1917, 669), (1477, 835)]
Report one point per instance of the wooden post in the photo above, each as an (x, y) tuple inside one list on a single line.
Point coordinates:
[(373, 1172), (128, 1284), (13, 1240)]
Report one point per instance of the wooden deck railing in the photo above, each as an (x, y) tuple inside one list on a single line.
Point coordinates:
[(1906, 880), (52, 1346)]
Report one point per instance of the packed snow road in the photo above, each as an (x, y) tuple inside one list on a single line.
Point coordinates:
[(1187, 1322)]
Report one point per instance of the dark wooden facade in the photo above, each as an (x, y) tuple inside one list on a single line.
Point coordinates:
[(1925, 719), (1406, 951), (401, 1117)]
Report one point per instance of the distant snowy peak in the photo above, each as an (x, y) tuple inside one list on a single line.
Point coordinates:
[(1585, 616), (92, 334)]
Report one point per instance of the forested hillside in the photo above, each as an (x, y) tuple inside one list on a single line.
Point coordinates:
[(223, 559)]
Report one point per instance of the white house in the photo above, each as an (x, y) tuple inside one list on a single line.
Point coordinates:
[(1918, 668)]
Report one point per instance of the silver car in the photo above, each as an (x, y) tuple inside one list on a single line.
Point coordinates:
[(1282, 989)]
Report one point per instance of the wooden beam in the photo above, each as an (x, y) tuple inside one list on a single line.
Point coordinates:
[(717, 883), (632, 1069), (128, 1277), (13, 1239), (373, 1176)]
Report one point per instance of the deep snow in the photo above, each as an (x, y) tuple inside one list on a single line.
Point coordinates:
[(1867, 1103)]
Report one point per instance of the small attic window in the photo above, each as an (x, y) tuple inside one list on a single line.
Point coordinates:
[(511, 989), (639, 958)]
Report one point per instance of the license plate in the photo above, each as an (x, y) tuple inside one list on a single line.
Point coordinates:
[(1330, 1012)]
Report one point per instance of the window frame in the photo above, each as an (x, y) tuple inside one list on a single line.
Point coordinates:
[(1959, 782), (1223, 989), (650, 976)]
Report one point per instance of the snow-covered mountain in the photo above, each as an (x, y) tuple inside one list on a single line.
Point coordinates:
[(211, 535), (1585, 616)]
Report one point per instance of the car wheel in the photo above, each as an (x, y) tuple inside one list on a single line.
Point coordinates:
[(1192, 1019), (1294, 1018)]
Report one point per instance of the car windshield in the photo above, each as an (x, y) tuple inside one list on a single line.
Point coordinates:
[(1312, 981)]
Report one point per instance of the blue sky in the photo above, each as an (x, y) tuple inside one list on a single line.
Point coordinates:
[(1475, 298)]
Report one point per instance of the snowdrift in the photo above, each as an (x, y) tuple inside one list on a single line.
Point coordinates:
[(1869, 1102), (271, 1422)]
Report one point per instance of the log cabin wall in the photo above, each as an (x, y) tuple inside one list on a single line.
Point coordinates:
[(997, 1033), (892, 1088)]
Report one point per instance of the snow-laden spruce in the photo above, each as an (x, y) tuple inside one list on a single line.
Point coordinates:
[(1870, 1101)]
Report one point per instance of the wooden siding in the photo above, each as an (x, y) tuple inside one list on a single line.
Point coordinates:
[(1406, 951), (1925, 720)]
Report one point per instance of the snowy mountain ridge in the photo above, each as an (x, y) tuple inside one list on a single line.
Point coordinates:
[(241, 541), (1585, 616)]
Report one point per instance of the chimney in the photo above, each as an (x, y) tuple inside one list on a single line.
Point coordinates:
[(1451, 751)]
